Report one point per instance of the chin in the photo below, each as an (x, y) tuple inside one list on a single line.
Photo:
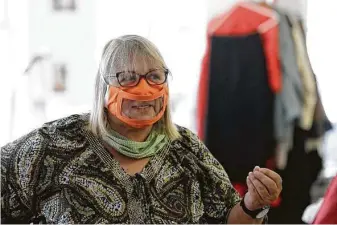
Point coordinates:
[(142, 117)]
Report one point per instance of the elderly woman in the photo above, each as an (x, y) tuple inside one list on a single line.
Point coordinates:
[(125, 162)]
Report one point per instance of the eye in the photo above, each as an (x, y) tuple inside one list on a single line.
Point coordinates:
[(127, 78), (156, 77)]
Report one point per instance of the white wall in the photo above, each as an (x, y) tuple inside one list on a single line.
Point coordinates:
[(322, 46), (295, 6), (71, 38), (216, 7), (13, 58)]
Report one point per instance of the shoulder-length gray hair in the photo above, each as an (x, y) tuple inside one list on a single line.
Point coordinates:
[(123, 53)]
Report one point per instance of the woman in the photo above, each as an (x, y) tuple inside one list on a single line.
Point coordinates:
[(126, 162)]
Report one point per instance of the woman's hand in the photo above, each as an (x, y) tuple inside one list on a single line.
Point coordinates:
[(264, 187)]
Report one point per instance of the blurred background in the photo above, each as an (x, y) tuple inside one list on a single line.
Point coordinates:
[(50, 50)]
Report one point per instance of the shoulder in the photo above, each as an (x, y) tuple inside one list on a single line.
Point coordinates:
[(50, 131), (70, 124), (195, 150), (26, 152), (189, 139), (187, 134), (191, 144), (22, 159)]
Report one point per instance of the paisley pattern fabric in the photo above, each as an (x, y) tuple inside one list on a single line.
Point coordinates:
[(61, 173)]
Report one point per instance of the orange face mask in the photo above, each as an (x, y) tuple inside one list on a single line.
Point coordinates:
[(142, 92)]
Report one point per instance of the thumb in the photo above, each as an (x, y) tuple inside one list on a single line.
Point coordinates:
[(251, 201)]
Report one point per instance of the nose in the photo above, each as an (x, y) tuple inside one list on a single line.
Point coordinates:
[(143, 88), (143, 84)]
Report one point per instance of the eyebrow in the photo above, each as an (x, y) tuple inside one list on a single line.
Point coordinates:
[(132, 71)]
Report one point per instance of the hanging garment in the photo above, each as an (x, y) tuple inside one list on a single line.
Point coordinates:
[(288, 102), (239, 122), (307, 76), (321, 123), (301, 171), (283, 125), (328, 211), (242, 19), (298, 177)]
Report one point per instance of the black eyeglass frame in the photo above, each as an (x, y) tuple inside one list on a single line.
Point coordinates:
[(166, 72)]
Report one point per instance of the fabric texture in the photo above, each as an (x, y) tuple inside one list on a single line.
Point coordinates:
[(136, 150), (239, 122), (239, 21), (61, 173)]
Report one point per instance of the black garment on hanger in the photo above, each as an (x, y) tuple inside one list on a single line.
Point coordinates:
[(239, 120), (298, 177)]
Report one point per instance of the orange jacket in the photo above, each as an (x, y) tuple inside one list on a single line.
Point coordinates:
[(241, 21)]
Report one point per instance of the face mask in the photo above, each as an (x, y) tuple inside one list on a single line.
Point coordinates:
[(142, 92)]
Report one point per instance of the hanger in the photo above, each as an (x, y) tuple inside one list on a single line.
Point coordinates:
[(253, 7), (267, 3)]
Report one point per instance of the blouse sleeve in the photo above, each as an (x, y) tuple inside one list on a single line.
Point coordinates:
[(219, 196), (12, 208), (17, 162)]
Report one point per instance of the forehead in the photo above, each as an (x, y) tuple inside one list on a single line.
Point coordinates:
[(130, 56), (140, 64)]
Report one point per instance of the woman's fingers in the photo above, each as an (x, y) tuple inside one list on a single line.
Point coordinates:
[(272, 175), (252, 189), (259, 187), (267, 182)]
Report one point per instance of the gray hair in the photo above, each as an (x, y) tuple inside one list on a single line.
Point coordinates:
[(122, 54)]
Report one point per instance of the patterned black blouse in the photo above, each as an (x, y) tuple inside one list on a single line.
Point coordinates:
[(61, 173)]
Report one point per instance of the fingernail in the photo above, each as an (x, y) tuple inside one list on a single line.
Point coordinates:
[(250, 173), (256, 168), (247, 178)]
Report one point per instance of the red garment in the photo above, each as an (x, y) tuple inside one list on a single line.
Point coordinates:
[(328, 211), (241, 21)]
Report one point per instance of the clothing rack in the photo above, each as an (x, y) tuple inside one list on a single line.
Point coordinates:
[(277, 51)]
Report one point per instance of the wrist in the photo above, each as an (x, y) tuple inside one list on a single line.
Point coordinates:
[(250, 203), (255, 210)]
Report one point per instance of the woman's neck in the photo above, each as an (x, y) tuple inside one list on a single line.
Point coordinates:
[(134, 134)]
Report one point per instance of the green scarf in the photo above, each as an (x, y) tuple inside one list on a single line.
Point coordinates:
[(133, 149)]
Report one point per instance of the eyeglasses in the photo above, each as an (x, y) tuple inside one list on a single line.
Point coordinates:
[(131, 78)]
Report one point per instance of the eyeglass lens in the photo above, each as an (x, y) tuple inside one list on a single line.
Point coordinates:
[(154, 77)]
